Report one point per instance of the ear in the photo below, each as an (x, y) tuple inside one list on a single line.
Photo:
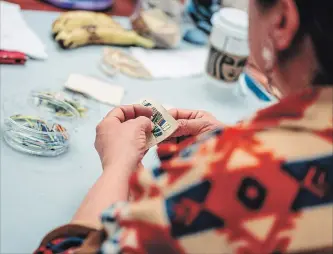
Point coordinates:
[(285, 24)]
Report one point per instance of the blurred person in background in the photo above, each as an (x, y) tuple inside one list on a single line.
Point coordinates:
[(261, 186)]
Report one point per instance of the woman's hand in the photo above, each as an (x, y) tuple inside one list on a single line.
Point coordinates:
[(121, 144), (193, 122), (121, 137)]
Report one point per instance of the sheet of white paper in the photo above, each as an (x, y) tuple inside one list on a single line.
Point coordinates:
[(178, 63), (16, 35), (95, 88)]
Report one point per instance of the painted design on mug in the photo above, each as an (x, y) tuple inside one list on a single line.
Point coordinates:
[(224, 66)]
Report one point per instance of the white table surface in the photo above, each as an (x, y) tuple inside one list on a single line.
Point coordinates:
[(39, 194)]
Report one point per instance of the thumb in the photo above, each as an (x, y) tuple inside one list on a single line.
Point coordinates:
[(192, 127), (145, 123)]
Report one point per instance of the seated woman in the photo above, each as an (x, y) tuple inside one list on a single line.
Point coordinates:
[(262, 186)]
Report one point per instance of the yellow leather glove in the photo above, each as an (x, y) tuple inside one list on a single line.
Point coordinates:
[(79, 28)]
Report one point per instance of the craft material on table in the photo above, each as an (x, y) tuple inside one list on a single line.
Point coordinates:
[(167, 106), (173, 8), (16, 35), (78, 28), (12, 57), (196, 36), (158, 26), (116, 60), (164, 124), (96, 89), (36, 136), (71, 20), (94, 5), (164, 105), (59, 104), (201, 13), (164, 64)]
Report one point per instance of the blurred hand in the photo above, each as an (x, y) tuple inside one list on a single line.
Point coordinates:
[(121, 137), (193, 122)]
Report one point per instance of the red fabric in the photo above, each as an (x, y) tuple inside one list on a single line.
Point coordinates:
[(120, 7)]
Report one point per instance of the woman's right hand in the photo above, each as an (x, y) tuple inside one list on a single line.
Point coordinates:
[(121, 137), (193, 122)]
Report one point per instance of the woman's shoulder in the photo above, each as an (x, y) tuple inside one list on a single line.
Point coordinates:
[(297, 107), (298, 128), (290, 127)]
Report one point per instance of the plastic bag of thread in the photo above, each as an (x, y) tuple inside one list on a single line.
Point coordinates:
[(39, 132), (61, 105), (34, 135)]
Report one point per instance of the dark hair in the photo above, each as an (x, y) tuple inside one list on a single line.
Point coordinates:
[(316, 20)]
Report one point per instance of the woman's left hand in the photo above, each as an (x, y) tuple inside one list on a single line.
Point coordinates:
[(121, 137)]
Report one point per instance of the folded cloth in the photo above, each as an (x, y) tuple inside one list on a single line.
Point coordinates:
[(172, 63), (16, 35)]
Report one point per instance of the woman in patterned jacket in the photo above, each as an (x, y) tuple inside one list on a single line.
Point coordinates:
[(261, 186)]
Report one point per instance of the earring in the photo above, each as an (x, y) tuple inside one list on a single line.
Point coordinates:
[(268, 56)]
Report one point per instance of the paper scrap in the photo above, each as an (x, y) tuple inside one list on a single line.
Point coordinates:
[(164, 123), (16, 35), (167, 106), (164, 105), (176, 63), (96, 89)]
